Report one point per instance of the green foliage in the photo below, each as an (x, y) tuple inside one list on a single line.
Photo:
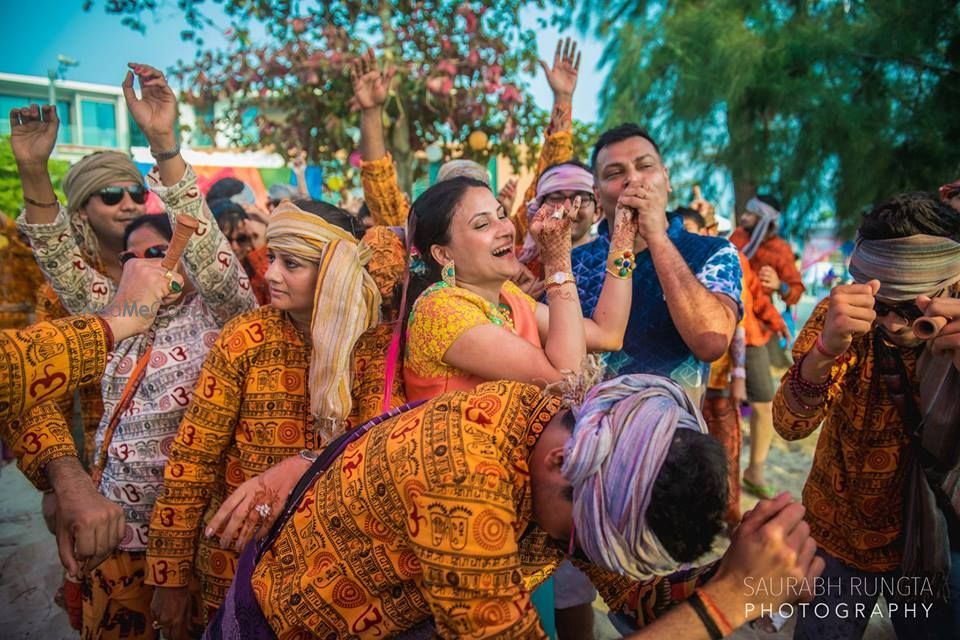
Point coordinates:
[(11, 193), (459, 71), (826, 104)]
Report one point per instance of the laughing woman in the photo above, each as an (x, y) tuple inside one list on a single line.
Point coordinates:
[(471, 324), (286, 377)]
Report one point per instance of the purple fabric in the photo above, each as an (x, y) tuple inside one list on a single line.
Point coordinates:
[(240, 617)]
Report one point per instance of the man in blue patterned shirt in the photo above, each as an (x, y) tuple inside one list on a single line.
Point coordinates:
[(686, 287)]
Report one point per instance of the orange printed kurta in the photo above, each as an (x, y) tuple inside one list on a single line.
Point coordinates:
[(250, 410), (429, 515), (854, 493), (39, 365), (381, 191)]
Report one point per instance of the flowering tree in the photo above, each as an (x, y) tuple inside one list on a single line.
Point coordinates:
[(459, 64)]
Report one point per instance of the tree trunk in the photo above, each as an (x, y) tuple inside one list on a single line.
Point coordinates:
[(739, 158)]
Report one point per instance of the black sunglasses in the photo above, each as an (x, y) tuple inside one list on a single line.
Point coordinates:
[(156, 251), (909, 311), (113, 195)]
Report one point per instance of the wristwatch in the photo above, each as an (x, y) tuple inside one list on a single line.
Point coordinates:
[(559, 278), (309, 456)]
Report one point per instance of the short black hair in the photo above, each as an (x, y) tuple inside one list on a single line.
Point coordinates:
[(689, 497), (911, 214), (617, 134), (159, 222), (770, 200), (332, 214), (689, 214)]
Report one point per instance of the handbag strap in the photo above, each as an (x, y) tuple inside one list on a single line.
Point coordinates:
[(126, 397)]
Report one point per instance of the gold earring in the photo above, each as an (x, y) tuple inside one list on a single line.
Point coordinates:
[(449, 274)]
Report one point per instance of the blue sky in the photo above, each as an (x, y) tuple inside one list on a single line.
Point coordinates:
[(33, 38)]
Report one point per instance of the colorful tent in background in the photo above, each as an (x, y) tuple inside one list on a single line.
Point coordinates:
[(257, 169)]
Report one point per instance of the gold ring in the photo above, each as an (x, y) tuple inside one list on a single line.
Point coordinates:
[(168, 275)]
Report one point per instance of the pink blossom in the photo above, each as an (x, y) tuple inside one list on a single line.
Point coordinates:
[(510, 95), (447, 67)]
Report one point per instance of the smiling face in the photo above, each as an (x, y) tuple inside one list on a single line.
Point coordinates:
[(630, 161), (109, 221), (292, 282), (481, 242)]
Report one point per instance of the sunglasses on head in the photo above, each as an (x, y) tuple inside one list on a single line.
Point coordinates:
[(113, 195), (156, 251)]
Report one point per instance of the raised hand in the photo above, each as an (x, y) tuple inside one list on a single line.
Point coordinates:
[(370, 86), (155, 111), (650, 205), (948, 339), (562, 77), (849, 314), (33, 134), (508, 195), (550, 228)]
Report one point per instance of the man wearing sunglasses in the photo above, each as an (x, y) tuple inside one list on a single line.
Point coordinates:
[(877, 494)]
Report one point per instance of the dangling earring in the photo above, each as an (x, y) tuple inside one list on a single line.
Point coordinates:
[(449, 274)]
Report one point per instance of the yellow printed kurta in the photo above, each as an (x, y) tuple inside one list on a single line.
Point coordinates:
[(381, 191), (39, 365), (249, 411), (854, 493), (20, 278), (49, 307), (429, 515), (440, 316)]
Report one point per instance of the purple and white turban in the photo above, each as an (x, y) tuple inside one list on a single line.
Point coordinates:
[(623, 433), (564, 177)]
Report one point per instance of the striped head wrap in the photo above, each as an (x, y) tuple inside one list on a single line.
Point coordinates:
[(462, 168), (768, 216), (623, 433), (906, 267), (564, 177), (346, 304)]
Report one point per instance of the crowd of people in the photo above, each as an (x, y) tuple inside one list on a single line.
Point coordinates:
[(403, 422)]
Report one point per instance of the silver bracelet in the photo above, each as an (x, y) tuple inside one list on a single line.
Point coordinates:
[(160, 156)]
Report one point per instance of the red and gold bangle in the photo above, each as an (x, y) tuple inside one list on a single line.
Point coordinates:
[(721, 620)]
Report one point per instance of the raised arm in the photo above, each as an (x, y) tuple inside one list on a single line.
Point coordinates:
[(33, 134), (381, 190), (558, 138), (80, 287), (210, 261)]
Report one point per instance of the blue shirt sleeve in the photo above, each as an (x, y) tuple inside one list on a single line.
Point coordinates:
[(722, 274)]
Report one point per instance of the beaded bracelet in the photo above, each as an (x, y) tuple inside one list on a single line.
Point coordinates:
[(621, 264)]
